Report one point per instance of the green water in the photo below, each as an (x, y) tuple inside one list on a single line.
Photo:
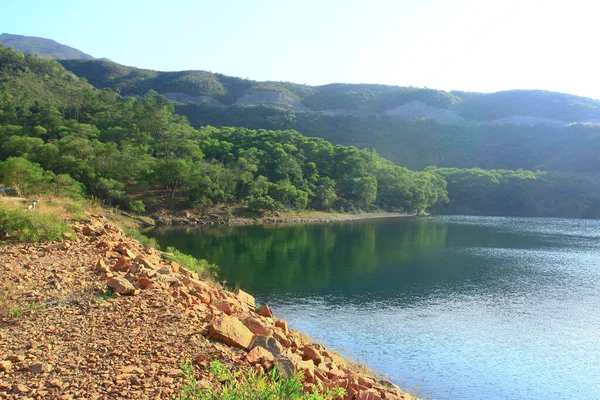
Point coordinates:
[(453, 307)]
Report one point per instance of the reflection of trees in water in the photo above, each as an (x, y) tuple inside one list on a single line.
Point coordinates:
[(308, 257)]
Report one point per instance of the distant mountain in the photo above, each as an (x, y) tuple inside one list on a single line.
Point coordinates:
[(42, 47)]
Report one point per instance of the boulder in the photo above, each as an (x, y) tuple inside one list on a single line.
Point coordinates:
[(264, 311), (231, 331), (268, 343), (284, 365), (121, 265), (246, 299), (280, 323), (258, 354), (310, 353), (120, 285), (257, 327)]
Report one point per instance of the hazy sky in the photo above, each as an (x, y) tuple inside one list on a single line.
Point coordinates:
[(453, 45)]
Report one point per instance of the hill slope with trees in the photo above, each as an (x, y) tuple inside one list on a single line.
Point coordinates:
[(138, 152)]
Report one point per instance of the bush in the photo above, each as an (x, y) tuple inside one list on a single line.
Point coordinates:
[(137, 206), (250, 385), (20, 226)]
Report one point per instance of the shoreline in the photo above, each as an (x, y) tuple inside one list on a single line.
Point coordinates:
[(167, 219), (114, 296)]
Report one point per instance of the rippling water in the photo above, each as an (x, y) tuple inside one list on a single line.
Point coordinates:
[(449, 307)]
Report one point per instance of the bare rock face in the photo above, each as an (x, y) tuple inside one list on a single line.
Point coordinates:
[(246, 299), (120, 285), (231, 331)]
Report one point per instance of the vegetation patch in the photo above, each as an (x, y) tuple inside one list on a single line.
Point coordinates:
[(250, 385)]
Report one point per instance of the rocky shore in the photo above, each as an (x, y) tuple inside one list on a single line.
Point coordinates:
[(102, 316), (188, 218)]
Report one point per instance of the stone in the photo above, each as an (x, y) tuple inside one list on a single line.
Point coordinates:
[(310, 353), (121, 264), (280, 336), (284, 365), (166, 270), (147, 262), (246, 300), (120, 285), (264, 311), (268, 343), (224, 306), (258, 354), (87, 231), (17, 358), (40, 368), (231, 331), (257, 327), (101, 266), (5, 366), (20, 388), (280, 323), (144, 282)]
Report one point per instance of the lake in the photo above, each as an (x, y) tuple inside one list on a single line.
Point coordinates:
[(447, 307)]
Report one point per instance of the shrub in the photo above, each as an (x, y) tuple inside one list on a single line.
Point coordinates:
[(137, 206), (143, 239), (20, 226)]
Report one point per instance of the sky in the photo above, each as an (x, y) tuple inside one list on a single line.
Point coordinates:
[(481, 46)]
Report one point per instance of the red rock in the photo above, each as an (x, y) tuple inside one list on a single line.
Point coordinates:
[(144, 282), (310, 353), (350, 393), (281, 323), (361, 380), (225, 306), (87, 231), (258, 354), (120, 285), (307, 388), (231, 331), (5, 386), (256, 326), (146, 262), (281, 338), (17, 358), (264, 311), (121, 265)]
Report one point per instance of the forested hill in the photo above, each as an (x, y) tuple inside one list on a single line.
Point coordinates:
[(60, 134), (42, 47), (413, 127)]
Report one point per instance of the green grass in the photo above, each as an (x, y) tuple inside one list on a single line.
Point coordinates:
[(18, 225), (143, 239), (199, 266), (249, 385)]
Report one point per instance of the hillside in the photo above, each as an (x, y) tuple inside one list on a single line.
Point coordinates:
[(42, 47), (139, 154)]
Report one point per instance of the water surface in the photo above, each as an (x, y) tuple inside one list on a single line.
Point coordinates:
[(451, 307)]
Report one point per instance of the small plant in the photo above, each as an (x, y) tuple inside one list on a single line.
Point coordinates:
[(250, 385), (105, 295), (15, 312), (36, 306)]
